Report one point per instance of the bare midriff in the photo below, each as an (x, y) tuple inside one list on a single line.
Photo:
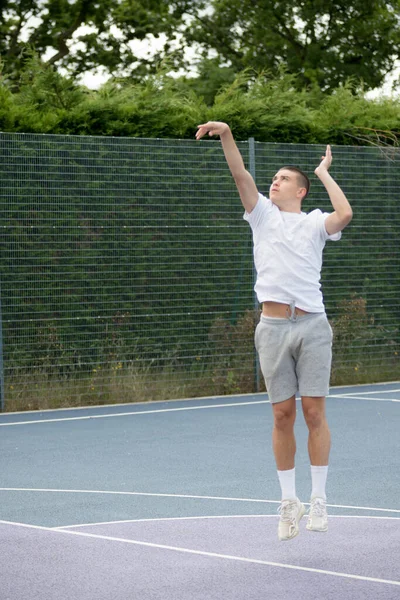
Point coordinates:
[(279, 310)]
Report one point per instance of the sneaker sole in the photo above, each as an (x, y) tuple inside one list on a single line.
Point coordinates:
[(296, 533), (316, 529)]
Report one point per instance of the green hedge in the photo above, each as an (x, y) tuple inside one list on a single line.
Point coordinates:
[(269, 109)]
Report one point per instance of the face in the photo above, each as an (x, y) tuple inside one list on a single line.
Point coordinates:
[(285, 188)]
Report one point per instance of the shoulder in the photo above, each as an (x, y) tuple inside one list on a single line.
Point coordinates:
[(317, 218), (263, 207)]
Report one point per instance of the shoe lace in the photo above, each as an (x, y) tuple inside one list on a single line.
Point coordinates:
[(318, 507), (287, 510)]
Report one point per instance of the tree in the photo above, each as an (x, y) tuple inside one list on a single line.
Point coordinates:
[(210, 79), (53, 30), (325, 42)]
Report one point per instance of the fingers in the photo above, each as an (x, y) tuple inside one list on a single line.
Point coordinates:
[(328, 153), (211, 127), (327, 158), (201, 130)]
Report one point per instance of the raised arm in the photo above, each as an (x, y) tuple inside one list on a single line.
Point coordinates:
[(244, 181), (343, 213)]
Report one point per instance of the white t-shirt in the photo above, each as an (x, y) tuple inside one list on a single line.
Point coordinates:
[(288, 254)]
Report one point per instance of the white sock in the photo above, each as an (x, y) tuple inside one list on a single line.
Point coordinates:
[(318, 479), (288, 484)]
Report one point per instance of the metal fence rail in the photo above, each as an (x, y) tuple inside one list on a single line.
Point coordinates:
[(126, 268)]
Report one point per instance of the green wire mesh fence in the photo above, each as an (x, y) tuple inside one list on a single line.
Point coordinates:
[(127, 274)]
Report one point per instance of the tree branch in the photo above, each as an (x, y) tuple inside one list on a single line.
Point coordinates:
[(289, 37), (23, 17), (63, 49), (208, 26)]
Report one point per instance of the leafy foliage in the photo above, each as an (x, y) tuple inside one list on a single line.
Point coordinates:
[(320, 42), (54, 30), (264, 106)]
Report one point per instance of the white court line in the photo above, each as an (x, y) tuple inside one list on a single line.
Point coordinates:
[(208, 554), (157, 519), (353, 397), (151, 494), (208, 398), (373, 392), (349, 395), (166, 410), (132, 413), (91, 407), (364, 385), (177, 400), (204, 517), (189, 496)]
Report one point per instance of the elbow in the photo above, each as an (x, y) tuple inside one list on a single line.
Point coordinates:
[(347, 216)]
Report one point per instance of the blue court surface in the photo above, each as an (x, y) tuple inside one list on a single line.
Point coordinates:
[(178, 501)]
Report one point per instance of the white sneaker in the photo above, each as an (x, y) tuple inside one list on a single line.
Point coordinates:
[(291, 511), (318, 516)]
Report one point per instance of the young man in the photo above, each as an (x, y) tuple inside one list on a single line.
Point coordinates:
[(293, 337)]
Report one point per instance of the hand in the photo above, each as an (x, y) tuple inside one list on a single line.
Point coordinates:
[(326, 161), (212, 128)]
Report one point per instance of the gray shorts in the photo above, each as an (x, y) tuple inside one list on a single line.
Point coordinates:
[(295, 355)]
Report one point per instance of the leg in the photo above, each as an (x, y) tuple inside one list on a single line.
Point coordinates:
[(283, 440), (273, 345), (319, 437), (319, 441), (313, 370), (284, 445)]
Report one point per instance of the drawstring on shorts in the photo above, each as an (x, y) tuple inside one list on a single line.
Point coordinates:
[(291, 312)]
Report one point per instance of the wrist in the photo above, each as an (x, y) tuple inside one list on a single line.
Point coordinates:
[(322, 173), (226, 133)]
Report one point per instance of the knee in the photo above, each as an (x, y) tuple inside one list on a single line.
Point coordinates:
[(284, 418), (314, 417)]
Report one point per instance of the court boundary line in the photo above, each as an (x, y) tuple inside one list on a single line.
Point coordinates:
[(209, 554), (369, 399), (142, 403), (360, 385), (372, 392), (131, 413), (147, 402), (168, 410), (205, 517), (188, 496)]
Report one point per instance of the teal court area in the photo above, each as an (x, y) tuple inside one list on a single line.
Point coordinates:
[(178, 500)]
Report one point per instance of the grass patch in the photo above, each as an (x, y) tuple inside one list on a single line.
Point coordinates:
[(39, 391), (363, 352)]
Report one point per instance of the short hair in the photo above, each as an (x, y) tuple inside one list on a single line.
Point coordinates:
[(301, 177)]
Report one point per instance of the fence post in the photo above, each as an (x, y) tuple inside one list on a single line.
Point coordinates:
[(252, 170)]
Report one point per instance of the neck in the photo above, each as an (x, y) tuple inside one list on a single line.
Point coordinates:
[(292, 206)]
